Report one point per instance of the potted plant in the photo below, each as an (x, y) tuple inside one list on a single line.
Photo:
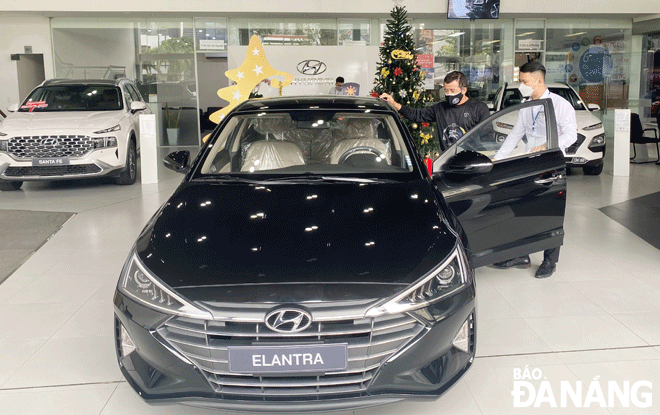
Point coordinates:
[(172, 120)]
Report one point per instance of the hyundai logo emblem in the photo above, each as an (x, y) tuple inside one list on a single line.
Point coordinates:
[(288, 320), (311, 67), (52, 142)]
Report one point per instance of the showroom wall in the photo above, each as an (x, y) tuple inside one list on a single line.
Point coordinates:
[(16, 32), (103, 46)]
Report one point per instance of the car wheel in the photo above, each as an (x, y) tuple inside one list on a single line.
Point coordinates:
[(130, 171), (494, 10), (8, 186), (594, 170)]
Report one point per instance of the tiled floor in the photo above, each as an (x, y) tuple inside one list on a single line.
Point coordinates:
[(596, 320)]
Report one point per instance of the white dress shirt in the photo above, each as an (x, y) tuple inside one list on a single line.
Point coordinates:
[(531, 123)]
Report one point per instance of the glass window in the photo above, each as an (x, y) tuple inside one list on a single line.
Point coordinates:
[(515, 132), (293, 32), (211, 34), (353, 32), (73, 98), (593, 57), (475, 49), (302, 142), (650, 90)]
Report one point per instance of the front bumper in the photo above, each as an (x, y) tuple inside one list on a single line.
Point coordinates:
[(103, 162), (422, 362)]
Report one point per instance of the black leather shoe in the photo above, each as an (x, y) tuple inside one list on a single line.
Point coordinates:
[(545, 270), (520, 262)]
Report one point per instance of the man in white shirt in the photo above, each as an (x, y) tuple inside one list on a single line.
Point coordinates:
[(531, 124), (336, 90)]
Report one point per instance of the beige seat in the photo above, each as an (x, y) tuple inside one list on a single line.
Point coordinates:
[(360, 132), (270, 155)]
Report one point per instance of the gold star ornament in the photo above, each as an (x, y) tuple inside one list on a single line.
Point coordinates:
[(254, 69)]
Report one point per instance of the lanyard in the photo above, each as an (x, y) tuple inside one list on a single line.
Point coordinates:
[(534, 118)]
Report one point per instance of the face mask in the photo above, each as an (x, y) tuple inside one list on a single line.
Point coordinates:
[(525, 90), (453, 100)]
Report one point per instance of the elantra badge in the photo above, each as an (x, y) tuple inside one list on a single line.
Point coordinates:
[(288, 320)]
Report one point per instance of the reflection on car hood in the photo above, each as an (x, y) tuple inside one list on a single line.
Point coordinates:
[(214, 234), (66, 120), (583, 118)]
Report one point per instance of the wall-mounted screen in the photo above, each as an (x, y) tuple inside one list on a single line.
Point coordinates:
[(473, 9)]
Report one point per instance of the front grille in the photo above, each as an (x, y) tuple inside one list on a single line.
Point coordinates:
[(371, 341), (48, 171), (573, 148), (48, 146)]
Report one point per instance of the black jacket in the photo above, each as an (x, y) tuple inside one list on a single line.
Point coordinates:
[(452, 122)]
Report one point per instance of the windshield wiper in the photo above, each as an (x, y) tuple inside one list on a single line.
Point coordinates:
[(310, 178), (226, 178)]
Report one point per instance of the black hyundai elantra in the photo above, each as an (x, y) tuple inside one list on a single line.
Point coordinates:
[(308, 261)]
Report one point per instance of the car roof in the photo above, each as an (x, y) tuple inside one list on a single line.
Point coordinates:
[(314, 102), (66, 81)]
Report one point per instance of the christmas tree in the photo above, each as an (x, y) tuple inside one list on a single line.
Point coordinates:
[(399, 75)]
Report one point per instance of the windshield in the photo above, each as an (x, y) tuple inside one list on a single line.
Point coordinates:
[(309, 142), (73, 98), (514, 97)]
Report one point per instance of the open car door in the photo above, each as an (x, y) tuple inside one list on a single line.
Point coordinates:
[(513, 205)]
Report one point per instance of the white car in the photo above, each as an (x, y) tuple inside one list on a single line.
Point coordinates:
[(589, 149), (72, 129)]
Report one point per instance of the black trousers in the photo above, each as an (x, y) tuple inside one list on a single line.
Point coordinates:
[(551, 255)]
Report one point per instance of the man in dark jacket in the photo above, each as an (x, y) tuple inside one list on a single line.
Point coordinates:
[(454, 116)]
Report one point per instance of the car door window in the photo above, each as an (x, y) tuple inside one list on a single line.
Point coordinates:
[(135, 95), (127, 96), (514, 132)]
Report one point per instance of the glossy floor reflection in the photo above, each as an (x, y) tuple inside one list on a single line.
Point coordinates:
[(598, 317)]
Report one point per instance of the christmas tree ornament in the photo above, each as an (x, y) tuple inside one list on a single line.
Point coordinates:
[(414, 126)]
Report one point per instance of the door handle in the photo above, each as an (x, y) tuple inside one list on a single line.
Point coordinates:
[(550, 180)]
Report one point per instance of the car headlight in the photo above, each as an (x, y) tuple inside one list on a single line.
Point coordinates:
[(103, 142), (141, 285), (109, 130), (503, 125), (597, 140), (593, 127), (447, 278)]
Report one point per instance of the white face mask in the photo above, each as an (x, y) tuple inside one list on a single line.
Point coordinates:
[(525, 90)]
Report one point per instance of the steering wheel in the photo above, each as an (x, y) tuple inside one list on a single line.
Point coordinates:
[(354, 150)]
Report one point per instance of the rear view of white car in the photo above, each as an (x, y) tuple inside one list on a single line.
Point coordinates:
[(72, 129), (589, 149)]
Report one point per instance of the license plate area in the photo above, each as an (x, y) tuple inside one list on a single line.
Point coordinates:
[(289, 359), (55, 161)]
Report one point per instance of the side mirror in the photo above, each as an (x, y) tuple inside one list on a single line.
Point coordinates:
[(490, 106), (593, 107), (469, 162), (138, 106), (178, 161), (12, 108)]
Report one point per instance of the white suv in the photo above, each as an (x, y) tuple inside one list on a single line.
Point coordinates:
[(589, 149), (71, 129)]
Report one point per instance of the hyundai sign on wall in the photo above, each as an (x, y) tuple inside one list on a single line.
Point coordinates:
[(314, 72)]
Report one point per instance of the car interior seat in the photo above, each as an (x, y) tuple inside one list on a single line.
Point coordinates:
[(360, 132), (639, 135), (274, 151)]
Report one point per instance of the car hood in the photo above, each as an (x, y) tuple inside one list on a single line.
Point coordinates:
[(19, 122), (583, 118), (343, 235)]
